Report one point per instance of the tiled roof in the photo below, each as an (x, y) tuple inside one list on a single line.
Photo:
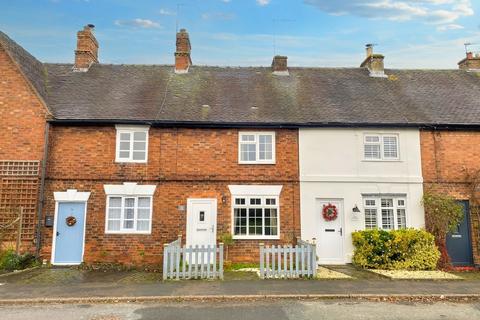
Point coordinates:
[(33, 69), (229, 96), (254, 95)]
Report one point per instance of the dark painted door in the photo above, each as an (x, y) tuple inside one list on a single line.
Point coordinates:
[(459, 243)]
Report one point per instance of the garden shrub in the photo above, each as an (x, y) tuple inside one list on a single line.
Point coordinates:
[(406, 249), (10, 261)]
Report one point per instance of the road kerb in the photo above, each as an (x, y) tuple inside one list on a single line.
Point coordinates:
[(256, 297)]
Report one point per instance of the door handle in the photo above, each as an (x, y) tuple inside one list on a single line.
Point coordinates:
[(341, 231), (212, 228), (58, 233)]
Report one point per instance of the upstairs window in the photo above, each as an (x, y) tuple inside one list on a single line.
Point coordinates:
[(132, 144), (381, 147), (387, 213), (256, 147)]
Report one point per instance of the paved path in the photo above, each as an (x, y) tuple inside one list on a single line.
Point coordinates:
[(278, 310), (66, 283), (244, 287)]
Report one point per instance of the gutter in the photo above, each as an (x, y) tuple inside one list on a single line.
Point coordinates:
[(41, 198), (286, 125)]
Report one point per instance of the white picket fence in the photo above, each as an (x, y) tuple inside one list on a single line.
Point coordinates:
[(288, 261), (192, 262)]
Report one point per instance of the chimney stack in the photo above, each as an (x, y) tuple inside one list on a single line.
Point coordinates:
[(87, 49), (374, 63), (279, 65), (182, 55), (471, 62)]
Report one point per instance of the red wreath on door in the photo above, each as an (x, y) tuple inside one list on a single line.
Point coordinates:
[(329, 212)]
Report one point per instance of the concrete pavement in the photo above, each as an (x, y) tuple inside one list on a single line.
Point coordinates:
[(67, 285)]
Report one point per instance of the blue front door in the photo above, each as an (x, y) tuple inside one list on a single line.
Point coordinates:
[(459, 243), (70, 233)]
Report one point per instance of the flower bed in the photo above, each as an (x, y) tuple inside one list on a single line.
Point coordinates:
[(416, 275), (325, 273), (322, 273)]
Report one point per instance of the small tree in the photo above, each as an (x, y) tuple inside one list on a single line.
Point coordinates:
[(442, 215), (227, 240)]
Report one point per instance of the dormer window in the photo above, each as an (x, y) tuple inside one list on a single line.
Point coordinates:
[(132, 144)]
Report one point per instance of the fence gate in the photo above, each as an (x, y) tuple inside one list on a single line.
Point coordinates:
[(192, 262), (288, 261)]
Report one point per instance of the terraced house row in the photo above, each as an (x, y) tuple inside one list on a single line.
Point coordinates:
[(110, 162)]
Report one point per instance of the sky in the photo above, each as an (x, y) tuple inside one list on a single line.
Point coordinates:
[(412, 34)]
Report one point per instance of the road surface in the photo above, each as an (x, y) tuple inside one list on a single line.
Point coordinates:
[(264, 310)]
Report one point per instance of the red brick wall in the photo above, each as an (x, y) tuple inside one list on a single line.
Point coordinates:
[(22, 125), (22, 119), (446, 158), (183, 163)]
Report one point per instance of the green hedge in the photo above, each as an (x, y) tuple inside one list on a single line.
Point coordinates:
[(406, 249), (10, 261)]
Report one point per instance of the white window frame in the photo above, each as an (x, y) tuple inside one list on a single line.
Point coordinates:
[(262, 206), (255, 191), (135, 216), (257, 147), (131, 130), (381, 142), (378, 208), (129, 190)]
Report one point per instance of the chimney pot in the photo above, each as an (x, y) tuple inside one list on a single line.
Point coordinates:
[(183, 61), (471, 62), (369, 49), (279, 65), (87, 49), (374, 63)]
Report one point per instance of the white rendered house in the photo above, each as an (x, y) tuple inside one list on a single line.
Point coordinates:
[(354, 179)]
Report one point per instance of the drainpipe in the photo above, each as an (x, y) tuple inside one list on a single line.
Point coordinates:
[(41, 198)]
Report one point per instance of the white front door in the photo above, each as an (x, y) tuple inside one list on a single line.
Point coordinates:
[(330, 232), (201, 222)]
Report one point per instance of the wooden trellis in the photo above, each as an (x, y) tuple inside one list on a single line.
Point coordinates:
[(19, 182)]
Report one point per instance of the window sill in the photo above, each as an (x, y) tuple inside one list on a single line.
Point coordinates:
[(256, 238), (243, 162), (130, 161), (129, 232), (381, 160)]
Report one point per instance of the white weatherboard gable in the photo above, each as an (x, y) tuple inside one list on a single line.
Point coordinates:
[(332, 166)]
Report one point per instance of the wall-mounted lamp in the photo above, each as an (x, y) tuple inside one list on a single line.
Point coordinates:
[(355, 209), (224, 199)]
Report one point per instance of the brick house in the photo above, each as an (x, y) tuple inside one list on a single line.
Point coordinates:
[(447, 170), (138, 154), (23, 121)]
